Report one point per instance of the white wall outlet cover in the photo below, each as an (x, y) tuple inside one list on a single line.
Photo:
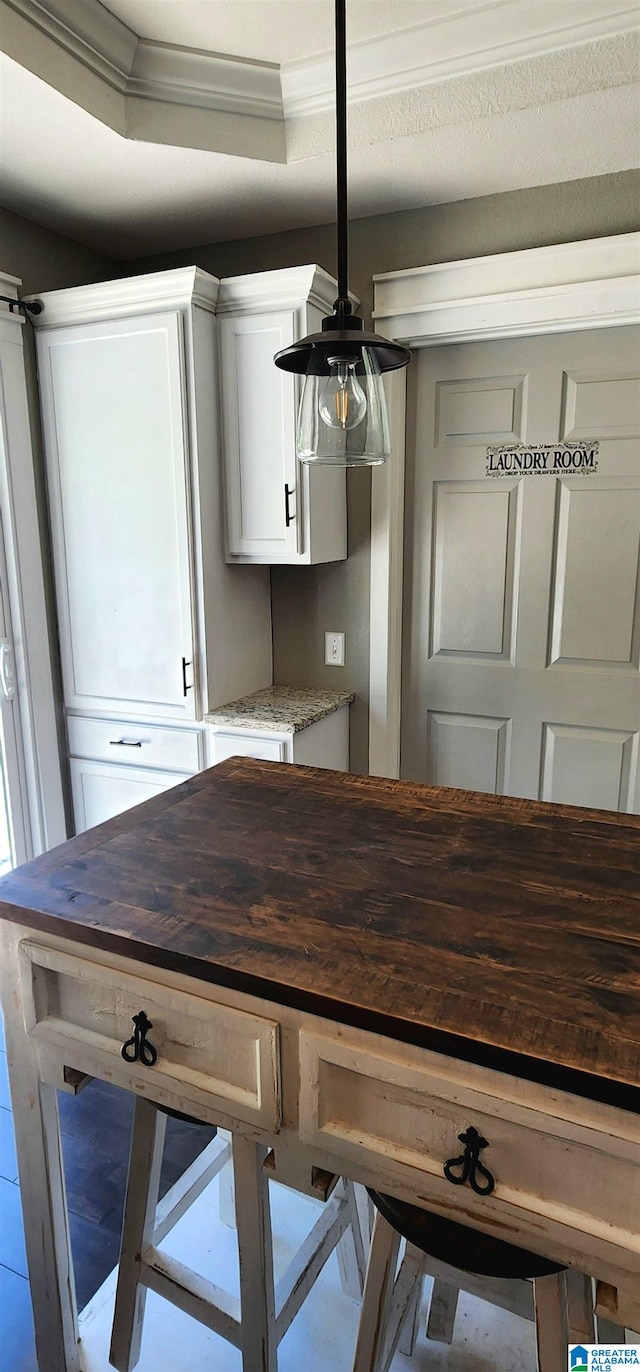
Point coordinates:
[(334, 648)]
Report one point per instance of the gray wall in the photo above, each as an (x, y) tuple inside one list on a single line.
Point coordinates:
[(306, 601), (47, 261)]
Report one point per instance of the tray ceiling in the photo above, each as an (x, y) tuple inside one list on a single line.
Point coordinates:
[(142, 125)]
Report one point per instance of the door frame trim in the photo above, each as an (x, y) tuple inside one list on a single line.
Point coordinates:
[(592, 284), (44, 799)]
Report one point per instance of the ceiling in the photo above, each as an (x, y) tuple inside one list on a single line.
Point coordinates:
[(138, 126)]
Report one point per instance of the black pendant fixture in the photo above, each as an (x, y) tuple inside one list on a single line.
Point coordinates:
[(342, 419)]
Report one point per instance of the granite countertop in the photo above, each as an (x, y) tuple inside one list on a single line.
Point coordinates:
[(286, 708)]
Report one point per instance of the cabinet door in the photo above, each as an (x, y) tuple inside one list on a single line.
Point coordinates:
[(101, 789), (115, 431), (262, 474)]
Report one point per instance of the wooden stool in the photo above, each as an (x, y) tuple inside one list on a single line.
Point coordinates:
[(460, 1258), (261, 1317)]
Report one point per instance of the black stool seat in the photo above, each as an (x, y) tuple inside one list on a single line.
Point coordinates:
[(178, 1115), (457, 1245)]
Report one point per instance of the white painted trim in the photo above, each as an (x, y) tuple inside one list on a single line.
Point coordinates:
[(457, 43), (87, 31), (475, 36), (157, 292), (265, 291), (207, 80), (586, 285), (9, 285), (385, 626), (542, 290), (32, 648)]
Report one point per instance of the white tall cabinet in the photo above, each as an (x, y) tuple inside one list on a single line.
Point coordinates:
[(277, 510), (155, 627)]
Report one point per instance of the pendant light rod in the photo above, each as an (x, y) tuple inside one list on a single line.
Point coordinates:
[(341, 153)]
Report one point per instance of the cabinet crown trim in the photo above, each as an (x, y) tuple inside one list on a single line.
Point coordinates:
[(267, 290), (157, 291)]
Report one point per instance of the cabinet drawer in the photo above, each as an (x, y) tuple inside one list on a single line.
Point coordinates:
[(101, 790), (248, 745), (211, 1057), (135, 745), (400, 1123)]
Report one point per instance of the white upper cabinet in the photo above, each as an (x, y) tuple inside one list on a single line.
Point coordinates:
[(277, 510), (153, 622)]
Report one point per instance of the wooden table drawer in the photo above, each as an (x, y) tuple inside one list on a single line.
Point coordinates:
[(210, 1057), (401, 1121), (139, 745)]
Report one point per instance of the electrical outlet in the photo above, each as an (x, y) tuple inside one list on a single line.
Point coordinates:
[(334, 649)]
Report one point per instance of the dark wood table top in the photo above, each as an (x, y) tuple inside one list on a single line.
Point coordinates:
[(504, 931)]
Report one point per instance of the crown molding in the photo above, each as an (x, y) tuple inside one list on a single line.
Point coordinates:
[(217, 92), (177, 289), (538, 290), (268, 290), (86, 31), (456, 45), (206, 80), (82, 37)]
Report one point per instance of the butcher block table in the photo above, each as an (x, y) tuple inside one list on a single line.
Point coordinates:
[(351, 971)]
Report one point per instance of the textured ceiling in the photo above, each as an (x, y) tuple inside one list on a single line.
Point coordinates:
[(273, 30)]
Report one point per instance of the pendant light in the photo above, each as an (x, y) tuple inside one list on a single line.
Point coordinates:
[(342, 420)]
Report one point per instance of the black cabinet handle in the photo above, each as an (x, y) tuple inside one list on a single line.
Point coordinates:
[(124, 743), (185, 688), (470, 1165), (138, 1048), (288, 517)]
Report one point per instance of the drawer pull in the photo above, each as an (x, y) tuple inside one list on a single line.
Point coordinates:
[(125, 743), (469, 1162), (138, 1048)]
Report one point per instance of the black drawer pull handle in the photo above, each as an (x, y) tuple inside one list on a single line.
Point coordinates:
[(469, 1162), (288, 517), (124, 743), (138, 1048)]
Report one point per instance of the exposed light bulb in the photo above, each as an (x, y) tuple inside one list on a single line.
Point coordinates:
[(342, 402)]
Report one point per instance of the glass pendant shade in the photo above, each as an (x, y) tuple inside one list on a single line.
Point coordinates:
[(342, 419)]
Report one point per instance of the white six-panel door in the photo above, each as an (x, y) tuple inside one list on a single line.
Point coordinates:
[(522, 616)]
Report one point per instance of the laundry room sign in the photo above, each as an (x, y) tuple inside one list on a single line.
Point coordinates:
[(544, 459)]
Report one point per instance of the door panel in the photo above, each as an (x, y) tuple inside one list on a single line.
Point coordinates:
[(473, 583), (489, 409), (521, 633), (468, 751), (589, 766), (596, 591), (120, 513), (259, 429)]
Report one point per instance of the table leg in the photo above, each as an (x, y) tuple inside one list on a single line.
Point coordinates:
[(42, 1188), (257, 1294)]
